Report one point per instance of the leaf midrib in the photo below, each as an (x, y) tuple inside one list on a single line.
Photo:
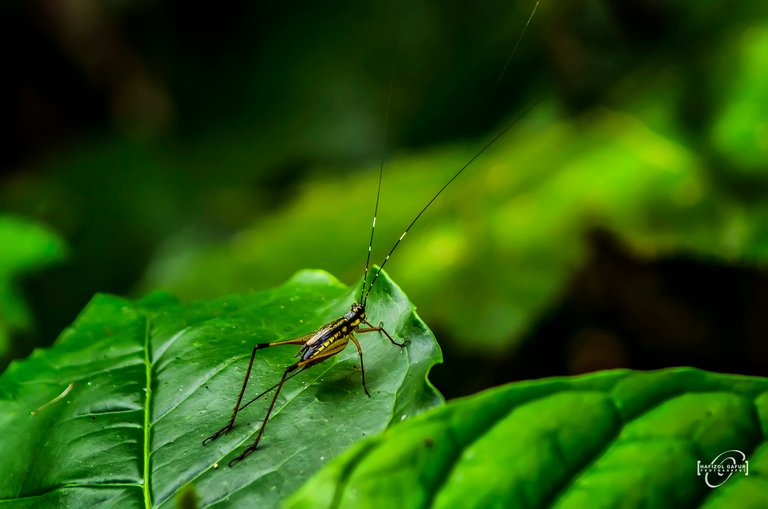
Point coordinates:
[(147, 401)]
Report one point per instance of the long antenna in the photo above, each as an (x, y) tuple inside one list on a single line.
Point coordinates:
[(378, 191), (486, 147), (364, 296), (509, 59)]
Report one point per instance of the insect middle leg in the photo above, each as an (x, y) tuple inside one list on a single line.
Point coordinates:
[(295, 341), (371, 328), (362, 368)]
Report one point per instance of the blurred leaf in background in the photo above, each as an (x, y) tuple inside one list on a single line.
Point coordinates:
[(740, 130), (26, 247), (511, 232)]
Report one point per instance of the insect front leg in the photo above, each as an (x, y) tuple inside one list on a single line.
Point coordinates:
[(223, 431), (380, 328)]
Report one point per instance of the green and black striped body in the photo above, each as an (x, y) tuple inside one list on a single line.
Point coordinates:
[(333, 337)]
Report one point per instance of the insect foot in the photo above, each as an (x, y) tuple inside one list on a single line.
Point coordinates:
[(401, 345), (222, 431)]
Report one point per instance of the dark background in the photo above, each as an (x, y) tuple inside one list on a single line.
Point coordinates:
[(212, 148)]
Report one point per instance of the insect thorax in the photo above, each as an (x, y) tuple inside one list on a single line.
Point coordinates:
[(356, 315)]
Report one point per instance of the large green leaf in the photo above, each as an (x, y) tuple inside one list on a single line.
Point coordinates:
[(608, 440), (149, 380)]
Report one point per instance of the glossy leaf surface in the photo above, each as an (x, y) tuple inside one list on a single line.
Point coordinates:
[(617, 439)]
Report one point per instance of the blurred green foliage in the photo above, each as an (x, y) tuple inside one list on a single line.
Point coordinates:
[(27, 247), (213, 149), (740, 130), (511, 231), (209, 149)]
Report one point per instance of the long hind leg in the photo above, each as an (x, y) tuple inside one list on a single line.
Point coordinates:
[(295, 341)]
